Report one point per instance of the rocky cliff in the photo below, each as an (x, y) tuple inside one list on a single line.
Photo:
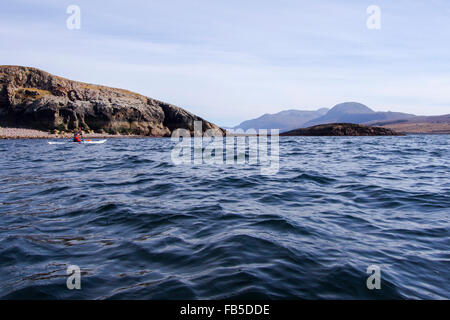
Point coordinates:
[(341, 129), (35, 99)]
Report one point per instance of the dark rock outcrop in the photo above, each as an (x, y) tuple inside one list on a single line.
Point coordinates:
[(341, 129), (35, 99)]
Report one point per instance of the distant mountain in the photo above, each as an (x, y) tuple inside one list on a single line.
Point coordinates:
[(354, 112), (347, 112), (284, 120)]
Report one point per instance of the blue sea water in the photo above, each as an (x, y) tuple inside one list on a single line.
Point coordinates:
[(141, 227)]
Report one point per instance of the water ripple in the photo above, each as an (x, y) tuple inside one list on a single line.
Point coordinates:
[(141, 227)]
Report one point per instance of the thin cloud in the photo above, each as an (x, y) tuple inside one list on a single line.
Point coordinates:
[(228, 61)]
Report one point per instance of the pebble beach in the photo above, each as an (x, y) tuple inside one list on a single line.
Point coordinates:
[(21, 133)]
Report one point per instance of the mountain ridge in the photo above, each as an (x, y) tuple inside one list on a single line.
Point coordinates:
[(283, 120), (354, 112), (346, 112)]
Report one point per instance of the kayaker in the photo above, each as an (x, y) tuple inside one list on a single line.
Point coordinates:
[(78, 136)]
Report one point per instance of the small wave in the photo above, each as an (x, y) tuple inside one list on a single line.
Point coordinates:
[(141, 227)]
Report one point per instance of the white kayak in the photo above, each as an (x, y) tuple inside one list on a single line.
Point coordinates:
[(83, 142), (94, 141)]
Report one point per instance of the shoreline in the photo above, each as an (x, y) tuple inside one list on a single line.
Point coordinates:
[(22, 133)]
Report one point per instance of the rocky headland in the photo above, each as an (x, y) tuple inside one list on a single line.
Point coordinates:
[(34, 99)]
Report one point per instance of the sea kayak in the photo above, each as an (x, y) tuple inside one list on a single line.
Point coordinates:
[(82, 142)]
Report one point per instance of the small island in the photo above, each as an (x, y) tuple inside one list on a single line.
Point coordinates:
[(341, 129)]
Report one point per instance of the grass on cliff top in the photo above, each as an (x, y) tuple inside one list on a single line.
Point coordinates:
[(31, 93), (28, 70), (99, 87)]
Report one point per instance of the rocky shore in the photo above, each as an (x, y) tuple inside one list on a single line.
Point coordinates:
[(20, 133), (333, 129)]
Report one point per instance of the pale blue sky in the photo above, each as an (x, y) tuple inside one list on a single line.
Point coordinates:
[(229, 61)]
